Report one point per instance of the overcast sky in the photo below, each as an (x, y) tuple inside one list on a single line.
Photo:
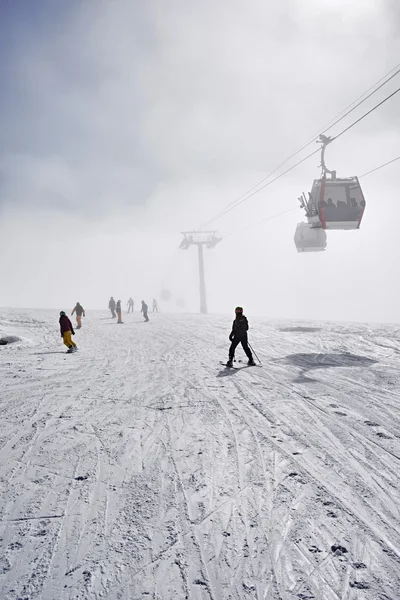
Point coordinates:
[(126, 122)]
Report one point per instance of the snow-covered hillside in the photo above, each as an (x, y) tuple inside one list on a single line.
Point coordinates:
[(140, 468)]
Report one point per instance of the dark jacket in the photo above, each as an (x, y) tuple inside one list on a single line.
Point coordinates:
[(66, 325), (79, 310), (145, 308), (111, 304), (118, 309), (240, 327)]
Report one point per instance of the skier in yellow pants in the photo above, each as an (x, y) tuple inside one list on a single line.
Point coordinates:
[(66, 332)]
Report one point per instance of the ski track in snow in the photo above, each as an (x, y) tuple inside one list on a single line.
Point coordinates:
[(141, 468)]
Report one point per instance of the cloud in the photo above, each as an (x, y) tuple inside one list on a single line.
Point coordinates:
[(124, 97)]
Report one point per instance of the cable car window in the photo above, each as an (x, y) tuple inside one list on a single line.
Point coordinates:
[(343, 202)]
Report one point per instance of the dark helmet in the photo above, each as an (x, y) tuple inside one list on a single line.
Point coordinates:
[(238, 310), (62, 314)]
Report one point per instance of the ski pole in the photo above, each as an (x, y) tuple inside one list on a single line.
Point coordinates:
[(255, 353)]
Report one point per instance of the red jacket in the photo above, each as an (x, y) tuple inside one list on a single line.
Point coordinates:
[(65, 325)]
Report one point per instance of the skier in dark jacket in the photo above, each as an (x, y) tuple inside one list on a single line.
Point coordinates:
[(144, 310), (111, 306), (80, 312), (238, 336), (131, 305), (66, 331)]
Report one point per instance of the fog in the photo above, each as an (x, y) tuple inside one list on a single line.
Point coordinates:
[(125, 123)]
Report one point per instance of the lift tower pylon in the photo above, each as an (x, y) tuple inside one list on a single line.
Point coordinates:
[(200, 239)]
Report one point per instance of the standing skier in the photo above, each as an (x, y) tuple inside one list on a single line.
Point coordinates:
[(66, 331), (131, 305), (80, 312), (144, 310), (238, 336), (155, 305), (111, 306), (119, 311)]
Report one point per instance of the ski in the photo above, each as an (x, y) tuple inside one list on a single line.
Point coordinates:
[(227, 366), (243, 366), (243, 362)]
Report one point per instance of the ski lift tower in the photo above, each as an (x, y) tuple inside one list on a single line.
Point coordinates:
[(200, 239)]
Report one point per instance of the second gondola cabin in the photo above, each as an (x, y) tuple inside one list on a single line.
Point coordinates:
[(309, 239)]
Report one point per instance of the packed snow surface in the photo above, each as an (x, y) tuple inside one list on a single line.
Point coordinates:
[(139, 467)]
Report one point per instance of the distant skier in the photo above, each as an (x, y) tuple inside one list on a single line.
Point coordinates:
[(80, 312), (66, 332), (238, 336), (111, 306), (155, 305), (119, 311), (144, 310), (131, 305)]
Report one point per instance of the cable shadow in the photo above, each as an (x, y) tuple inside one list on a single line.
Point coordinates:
[(317, 360), (311, 361), (302, 378)]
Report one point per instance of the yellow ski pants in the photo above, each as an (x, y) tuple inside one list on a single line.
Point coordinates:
[(68, 341)]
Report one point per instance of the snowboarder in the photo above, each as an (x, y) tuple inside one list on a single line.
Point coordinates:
[(66, 332), (238, 336), (111, 306), (131, 305), (155, 305), (144, 310), (119, 311), (80, 312)]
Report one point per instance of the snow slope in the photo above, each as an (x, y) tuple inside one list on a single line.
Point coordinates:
[(140, 468)]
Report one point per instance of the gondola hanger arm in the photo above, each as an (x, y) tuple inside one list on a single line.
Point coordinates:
[(324, 141)]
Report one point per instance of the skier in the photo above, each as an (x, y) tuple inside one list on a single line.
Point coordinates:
[(119, 311), (155, 305), (144, 310), (66, 331), (111, 306), (238, 336), (80, 312), (131, 305)]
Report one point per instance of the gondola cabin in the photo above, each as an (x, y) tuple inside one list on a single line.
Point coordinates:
[(309, 239), (340, 202)]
